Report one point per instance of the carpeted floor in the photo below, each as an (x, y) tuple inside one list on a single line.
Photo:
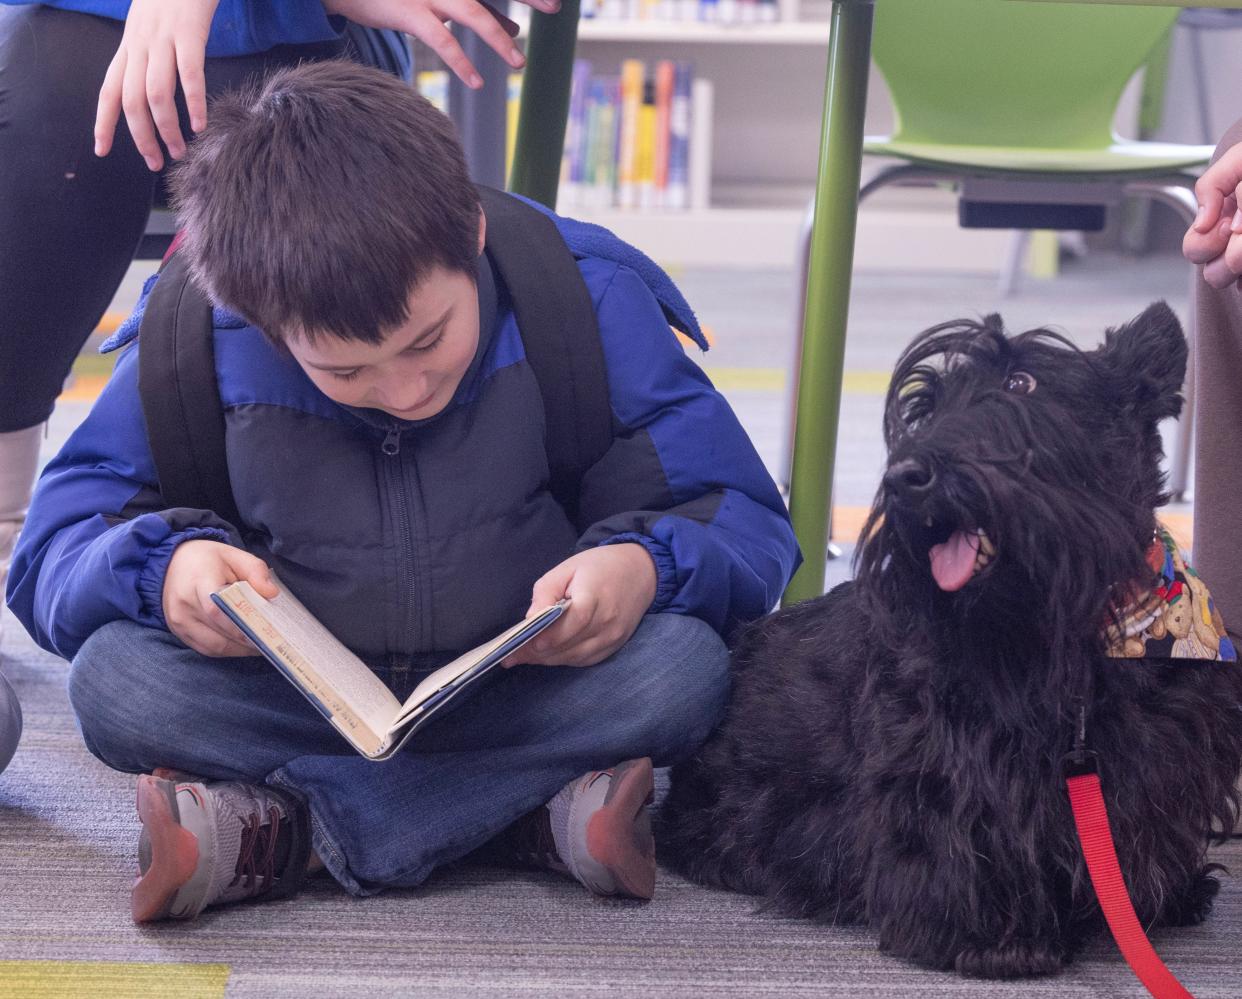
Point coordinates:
[(67, 837)]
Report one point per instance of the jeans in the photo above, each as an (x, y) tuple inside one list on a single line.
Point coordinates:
[(144, 700)]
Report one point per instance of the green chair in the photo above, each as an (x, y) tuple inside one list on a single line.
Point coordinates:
[(1012, 105)]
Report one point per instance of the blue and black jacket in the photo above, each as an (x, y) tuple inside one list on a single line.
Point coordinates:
[(414, 540)]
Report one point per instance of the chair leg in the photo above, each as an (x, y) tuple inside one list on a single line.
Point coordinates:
[(1015, 256), (544, 108), (828, 289), (894, 175), (1178, 193)]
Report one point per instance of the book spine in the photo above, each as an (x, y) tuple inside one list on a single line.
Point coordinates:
[(678, 188), (433, 84), (606, 148), (701, 101), (576, 138), (632, 72), (592, 170), (644, 157), (513, 104), (664, 106)]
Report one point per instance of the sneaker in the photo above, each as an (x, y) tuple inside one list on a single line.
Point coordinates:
[(212, 843), (597, 829)]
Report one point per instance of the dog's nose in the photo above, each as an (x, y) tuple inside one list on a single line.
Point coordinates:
[(910, 476)]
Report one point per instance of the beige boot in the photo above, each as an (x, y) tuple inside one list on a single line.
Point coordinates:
[(19, 457)]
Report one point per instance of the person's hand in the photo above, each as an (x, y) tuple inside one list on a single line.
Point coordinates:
[(197, 569), (610, 589), (163, 40), (424, 19), (1215, 238)]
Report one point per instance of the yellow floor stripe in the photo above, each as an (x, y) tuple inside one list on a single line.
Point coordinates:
[(92, 370), (773, 380), (109, 322), (84, 388), (75, 979)]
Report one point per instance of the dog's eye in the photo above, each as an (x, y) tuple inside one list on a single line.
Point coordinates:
[(1020, 383)]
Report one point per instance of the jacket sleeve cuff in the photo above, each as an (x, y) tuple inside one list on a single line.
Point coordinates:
[(151, 578), (666, 569)]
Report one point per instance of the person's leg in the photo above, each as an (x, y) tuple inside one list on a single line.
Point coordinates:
[(143, 701), (508, 750), (69, 221), (1218, 435)]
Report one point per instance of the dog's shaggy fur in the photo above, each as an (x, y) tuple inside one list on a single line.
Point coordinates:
[(893, 752)]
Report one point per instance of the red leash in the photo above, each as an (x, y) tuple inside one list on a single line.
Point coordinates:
[(1096, 839)]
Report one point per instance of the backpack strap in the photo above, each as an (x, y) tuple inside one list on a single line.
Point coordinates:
[(180, 399), (560, 334)]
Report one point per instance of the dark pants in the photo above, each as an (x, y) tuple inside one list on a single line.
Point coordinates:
[(70, 221), (1218, 436)]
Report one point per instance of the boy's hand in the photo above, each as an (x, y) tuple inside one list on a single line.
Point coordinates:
[(424, 19), (197, 569), (610, 588), (163, 40), (1215, 238)]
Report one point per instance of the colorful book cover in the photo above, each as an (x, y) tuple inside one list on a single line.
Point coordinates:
[(678, 193), (632, 73), (433, 84), (574, 160), (609, 137), (665, 71), (644, 157), (513, 104)]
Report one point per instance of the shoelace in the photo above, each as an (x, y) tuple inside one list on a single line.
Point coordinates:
[(250, 867)]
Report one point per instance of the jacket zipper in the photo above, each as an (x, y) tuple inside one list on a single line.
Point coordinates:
[(391, 447)]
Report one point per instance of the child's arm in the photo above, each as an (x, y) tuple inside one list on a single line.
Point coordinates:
[(683, 479), (98, 539)]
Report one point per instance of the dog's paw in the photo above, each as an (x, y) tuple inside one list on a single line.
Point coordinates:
[(1193, 905), (1017, 959)]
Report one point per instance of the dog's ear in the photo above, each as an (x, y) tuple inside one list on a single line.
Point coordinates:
[(1147, 362)]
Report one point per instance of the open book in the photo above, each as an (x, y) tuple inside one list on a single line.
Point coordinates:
[(342, 686)]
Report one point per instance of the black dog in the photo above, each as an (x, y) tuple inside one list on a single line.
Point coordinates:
[(893, 751)]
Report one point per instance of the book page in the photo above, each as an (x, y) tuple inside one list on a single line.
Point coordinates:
[(445, 675), (332, 676)]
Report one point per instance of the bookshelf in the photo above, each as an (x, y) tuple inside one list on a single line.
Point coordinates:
[(751, 188), (767, 96), (812, 33)]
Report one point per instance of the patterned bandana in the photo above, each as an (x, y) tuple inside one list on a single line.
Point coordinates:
[(1175, 619)]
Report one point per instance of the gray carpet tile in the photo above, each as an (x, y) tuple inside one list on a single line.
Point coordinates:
[(68, 832)]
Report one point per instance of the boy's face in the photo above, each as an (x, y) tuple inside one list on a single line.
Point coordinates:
[(414, 372)]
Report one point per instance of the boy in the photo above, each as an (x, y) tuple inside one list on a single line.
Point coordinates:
[(386, 452)]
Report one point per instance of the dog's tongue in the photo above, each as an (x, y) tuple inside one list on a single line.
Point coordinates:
[(953, 563)]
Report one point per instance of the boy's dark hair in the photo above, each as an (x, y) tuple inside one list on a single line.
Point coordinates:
[(318, 198)]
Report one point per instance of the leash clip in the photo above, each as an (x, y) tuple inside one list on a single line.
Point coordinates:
[(1080, 760)]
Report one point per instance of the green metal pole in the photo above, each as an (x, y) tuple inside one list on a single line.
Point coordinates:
[(545, 103), (828, 289)]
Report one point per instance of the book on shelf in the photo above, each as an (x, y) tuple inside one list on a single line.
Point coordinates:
[(629, 140), (638, 141), (683, 11), (343, 687)]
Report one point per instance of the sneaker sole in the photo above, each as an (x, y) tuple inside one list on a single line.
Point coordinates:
[(174, 850), (618, 835)]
